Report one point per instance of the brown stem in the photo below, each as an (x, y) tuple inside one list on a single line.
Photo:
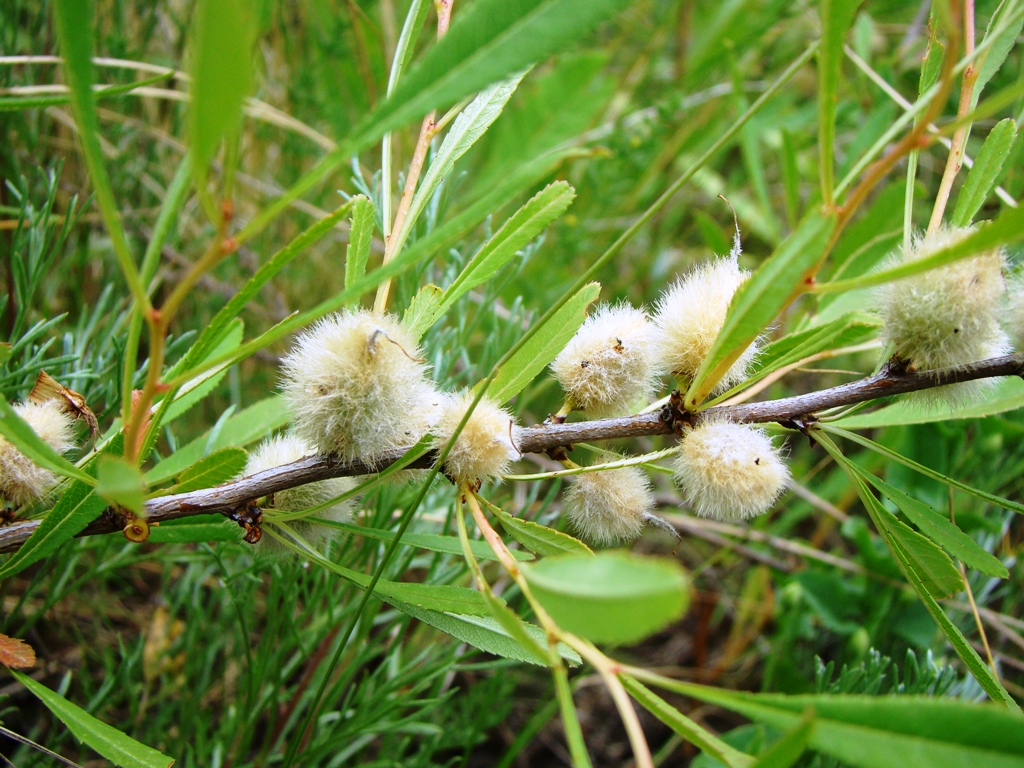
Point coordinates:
[(541, 438), (955, 160)]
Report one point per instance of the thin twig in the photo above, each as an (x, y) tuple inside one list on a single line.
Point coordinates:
[(544, 437)]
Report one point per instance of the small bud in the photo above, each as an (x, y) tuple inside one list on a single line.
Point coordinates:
[(608, 365), (484, 447), (611, 506), (946, 316), (729, 471), (21, 480), (356, 386), (284, 449), (691, 314)]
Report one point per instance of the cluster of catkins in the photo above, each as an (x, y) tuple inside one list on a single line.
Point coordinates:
[(613, 365)]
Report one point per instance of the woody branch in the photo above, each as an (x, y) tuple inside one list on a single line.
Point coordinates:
[(541, 438)]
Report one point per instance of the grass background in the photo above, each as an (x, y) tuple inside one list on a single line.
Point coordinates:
[(212, 655)]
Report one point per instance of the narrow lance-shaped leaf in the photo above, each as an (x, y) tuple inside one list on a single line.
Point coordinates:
[(539, 351), (219, 467), (120, 482), (522, 227), (940, 530), (536, 537), (360, 238), (760, 299), (1007, 229), (468, 128), (882, 731), (985, 173), (114, 745), (221, 77)]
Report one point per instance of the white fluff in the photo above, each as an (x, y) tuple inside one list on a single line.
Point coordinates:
[(484, 447), (729, 471), (611, 506), (21, 480), (608, 366)]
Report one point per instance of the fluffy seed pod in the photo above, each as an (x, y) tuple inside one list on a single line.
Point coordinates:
[(356, 386), (484, 447), (609, 507), (729, 471), (285, 449), (946, 316), (691, 314), (21, 480), (609, 364)]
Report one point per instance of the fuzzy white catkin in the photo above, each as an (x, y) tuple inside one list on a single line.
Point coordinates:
[(356, 386), (946, 316), (691, 314), (484, 447), (611, 506), (609, 364), (284, 449), (729, 471), (21, 480)]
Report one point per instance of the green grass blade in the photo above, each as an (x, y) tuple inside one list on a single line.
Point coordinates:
[(760, 299), (115, 745), (13, 103), (836, 18), (986, 171)]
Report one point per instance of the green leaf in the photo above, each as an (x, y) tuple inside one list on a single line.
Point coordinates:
[(1007, 229), (198, 388), (22, 436), (985, 173), (360, 238), (423, 310), (940, 530), (522, 227), (485, 633), (1000, 48), (221, 73), (539, 351), (515, 626), (429, 541), (836, 18), (187, 531), (926, 471), (760, 299), (536, 537), (487, 42), (121, 483), (245, 427), (884, 731), (610, 597), (787, 750), (922, 581), (467, 129), (912, 551), (707, 742), (219, 467), (114, 745), (1006, 395)]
